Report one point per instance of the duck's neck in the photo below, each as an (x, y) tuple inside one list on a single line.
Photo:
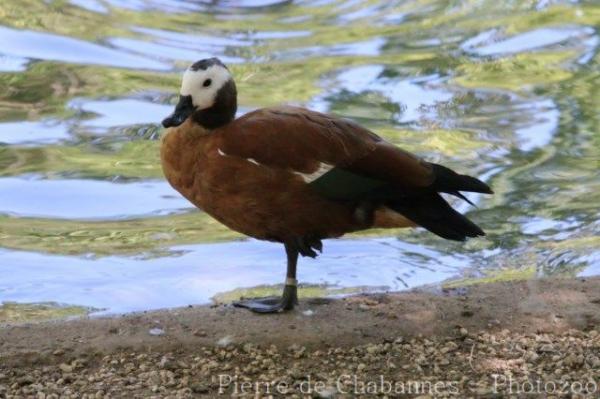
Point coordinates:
[(223, 110)]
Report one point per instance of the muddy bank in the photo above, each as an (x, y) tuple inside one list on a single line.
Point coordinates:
[(463, 335)]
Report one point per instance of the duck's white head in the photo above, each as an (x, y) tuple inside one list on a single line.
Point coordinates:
[(208, 94)]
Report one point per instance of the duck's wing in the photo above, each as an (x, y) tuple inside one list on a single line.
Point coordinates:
[(297, 139), (313, 145), (344, 161)]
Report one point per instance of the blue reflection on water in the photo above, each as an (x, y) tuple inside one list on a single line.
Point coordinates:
[(26, 132), (195, 273), (47, 46), (121, 112), (88, 199), (527, 41)]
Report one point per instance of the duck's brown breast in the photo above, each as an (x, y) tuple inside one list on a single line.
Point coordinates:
[(180, 150)]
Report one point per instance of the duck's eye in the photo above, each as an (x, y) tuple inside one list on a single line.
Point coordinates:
[(207, 82)]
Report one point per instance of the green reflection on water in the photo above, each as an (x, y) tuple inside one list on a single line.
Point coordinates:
[(492, 98)]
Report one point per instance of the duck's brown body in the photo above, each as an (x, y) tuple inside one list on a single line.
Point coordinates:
[(296, 176), (253, 174)]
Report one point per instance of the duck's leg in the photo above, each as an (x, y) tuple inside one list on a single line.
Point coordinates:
[(290, 292)]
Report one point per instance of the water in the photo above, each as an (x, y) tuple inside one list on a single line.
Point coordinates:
[(508, 91)]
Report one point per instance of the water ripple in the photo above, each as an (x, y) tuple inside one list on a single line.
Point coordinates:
[(196, 273), (47, 46), (88, 199)]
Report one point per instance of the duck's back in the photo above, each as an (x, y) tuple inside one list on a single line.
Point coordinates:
[(296, 138)]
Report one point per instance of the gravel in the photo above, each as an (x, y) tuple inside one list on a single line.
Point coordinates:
[(466, 364)]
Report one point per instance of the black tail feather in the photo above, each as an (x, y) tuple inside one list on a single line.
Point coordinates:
[(436, 215), (462, 197), (432, 212), (450, 182)]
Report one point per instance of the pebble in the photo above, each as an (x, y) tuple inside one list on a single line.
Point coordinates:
[(156, 331), (328, 392), (546, 348), (225, 341), (65, 368)]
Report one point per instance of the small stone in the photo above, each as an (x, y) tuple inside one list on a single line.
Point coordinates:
[(200, 333), (532, 356), (328, 392), (156, 332), (225, 341), (65, 368), (166, 363), (199, 388), (25, 380), (450, 347), (558, 372), (463, 332), (546, 348)]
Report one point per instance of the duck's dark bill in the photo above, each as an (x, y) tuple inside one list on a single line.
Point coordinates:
[(184, 108)]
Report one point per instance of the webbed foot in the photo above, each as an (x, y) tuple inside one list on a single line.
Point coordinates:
[(272, 304)]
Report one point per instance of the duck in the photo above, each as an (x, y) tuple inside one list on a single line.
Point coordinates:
[(290, 175)]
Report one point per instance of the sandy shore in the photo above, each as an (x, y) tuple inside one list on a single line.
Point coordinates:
[(490, 340)]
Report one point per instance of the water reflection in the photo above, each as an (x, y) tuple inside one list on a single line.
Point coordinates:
[(364, 48), (87, 199), (506, 91), (541, 130), (122, 112), (91, 5), (10, 63), (168, 51), (46, 46), (33, 132), (194, 274), (160, 5), (413, 95), (527, 41)]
